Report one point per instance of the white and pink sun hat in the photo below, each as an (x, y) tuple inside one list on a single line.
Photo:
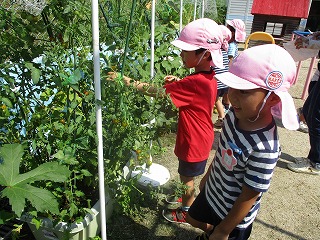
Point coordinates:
[(240, 27), (202, 33), (269, 67), (226, 33)]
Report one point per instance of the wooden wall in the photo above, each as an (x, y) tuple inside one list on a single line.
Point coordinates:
[(291, 24)]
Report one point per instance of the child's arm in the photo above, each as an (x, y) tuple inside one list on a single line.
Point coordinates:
[(145, 88), (311, 42), (170, 79), (314, 42), (237, 213), (230, 60)]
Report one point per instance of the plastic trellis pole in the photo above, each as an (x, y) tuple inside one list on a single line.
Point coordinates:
[(153, 174), (97, 87), (153, 10), (202, 9), (181, 11), (195, 10), (128, 35)]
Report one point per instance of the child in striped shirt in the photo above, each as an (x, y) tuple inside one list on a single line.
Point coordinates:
[(248, 148)]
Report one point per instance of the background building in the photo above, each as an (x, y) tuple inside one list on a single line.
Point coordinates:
[(279, 18)]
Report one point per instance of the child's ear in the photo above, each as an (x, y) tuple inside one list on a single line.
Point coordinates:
[(274, 99), (207, 55)]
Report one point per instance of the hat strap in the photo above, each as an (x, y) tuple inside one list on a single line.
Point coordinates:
[(201, 58), (262, 106)]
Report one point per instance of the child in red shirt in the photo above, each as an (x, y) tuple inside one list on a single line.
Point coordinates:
[(195, 95)]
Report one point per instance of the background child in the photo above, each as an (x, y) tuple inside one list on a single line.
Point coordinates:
[(248, 148), (238, 31), (311, 113), (222, 89), (194, 95)]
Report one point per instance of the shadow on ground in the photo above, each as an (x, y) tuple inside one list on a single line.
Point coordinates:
[(284, 159), (276, 228), (150, 225)]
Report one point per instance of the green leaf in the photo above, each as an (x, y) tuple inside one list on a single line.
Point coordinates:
[(46, 171), (86, 172), (41, 199), (59, 155), (29, 65), (11, 155), (35, 75), (18, 188), (6, 101), (73, 79), (36, 222)]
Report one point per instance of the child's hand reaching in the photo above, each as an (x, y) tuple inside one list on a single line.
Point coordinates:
[(170, 79), (114, 76)]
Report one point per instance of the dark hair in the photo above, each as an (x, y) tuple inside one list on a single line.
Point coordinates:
[(201, 50), (232, 29)]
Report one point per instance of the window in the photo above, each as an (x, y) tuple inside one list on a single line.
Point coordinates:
[(275, 29)]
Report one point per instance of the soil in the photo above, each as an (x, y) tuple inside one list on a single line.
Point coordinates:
[(290, 209)]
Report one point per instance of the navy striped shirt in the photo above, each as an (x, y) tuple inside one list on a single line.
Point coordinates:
[(222, 70), (242, 157)]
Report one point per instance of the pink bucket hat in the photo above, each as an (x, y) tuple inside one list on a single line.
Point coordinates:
[(202, 33), (240, 28), (270, 67), (226, 33)]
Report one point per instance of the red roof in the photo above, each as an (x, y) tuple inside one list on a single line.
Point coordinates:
[(286, 8)]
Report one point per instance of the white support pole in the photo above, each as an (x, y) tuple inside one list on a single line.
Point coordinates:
[(153, 10), (153, 17), (97, 87), (181, 14), (202, 9), (195, 10)]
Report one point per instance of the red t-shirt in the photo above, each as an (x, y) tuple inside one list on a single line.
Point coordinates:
[(195, 96)]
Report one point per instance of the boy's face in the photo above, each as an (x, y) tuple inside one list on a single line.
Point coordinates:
[(247, 103), (190, 59)]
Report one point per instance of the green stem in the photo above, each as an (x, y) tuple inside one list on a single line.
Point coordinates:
[(128, 35)]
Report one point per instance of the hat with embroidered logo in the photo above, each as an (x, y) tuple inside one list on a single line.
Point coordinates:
[(202, 33), (240, 27), (269, 67), (226, 33)]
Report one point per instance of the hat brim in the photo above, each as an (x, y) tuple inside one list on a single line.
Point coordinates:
[(216, 54), (235, 82), (184, 46), (286, 111), (229, 22), (217, 58), (240, 36)]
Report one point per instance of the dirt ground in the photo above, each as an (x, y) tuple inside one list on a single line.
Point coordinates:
[(289, 210)]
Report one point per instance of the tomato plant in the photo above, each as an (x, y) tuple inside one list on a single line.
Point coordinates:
[(47, 100)]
